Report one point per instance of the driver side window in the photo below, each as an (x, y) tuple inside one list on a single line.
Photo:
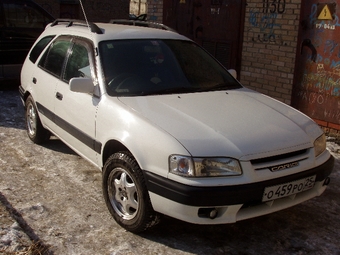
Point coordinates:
[(78, 64)]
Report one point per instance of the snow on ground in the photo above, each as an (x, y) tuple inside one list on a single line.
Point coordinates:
[(13, 238), (65, 209)]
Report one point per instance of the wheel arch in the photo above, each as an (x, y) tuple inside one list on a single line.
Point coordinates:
[(25, 96), (111, 147)]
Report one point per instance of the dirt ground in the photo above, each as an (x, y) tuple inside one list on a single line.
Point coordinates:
[(51, 197)]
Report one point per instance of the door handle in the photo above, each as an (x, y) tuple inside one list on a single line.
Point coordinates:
[(59, 96), (34, 80), (308, 43)]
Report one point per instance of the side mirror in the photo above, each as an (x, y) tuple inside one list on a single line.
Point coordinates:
[(233, 73), (82, 85)]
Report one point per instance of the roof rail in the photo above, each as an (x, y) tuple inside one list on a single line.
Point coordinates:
[(93, 27), (141, 24)]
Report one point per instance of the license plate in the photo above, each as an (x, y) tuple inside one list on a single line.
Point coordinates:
[(287, 189)]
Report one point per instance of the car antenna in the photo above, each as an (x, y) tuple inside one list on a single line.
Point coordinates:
[(89, 27), (82, 8)]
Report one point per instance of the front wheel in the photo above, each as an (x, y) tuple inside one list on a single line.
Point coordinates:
[(126, 195), (35, 131)]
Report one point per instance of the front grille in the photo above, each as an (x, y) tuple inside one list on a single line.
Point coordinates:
[(268, 162)]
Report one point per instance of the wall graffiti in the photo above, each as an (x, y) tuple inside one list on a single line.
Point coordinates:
[(323, 82), (331, 46), (319, 88), (321, 106), (325, 75), (263, 25)]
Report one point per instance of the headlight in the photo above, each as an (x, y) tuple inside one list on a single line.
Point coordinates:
[(320, 145), (204, 167), (181, 165)]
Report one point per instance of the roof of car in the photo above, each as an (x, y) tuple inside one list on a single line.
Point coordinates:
[(114, 30)]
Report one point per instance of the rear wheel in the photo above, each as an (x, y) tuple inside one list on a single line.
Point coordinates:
[(35, 131), (126, 195)]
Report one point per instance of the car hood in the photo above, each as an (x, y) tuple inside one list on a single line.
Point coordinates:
[(239, 123)]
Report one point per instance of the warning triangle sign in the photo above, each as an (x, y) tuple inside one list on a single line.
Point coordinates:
[(325, 13)]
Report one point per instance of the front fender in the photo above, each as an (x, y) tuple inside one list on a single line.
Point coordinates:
[(148, 143)]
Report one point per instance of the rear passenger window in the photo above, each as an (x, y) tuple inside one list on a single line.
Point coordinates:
[(39, 47), (53, 59)]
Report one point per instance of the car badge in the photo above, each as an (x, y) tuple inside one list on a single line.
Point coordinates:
[(283, 166)]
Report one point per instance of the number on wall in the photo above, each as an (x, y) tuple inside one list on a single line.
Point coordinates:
[(274, 6)]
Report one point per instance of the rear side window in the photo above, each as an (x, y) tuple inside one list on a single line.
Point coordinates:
[(54, 58), (39, 47)]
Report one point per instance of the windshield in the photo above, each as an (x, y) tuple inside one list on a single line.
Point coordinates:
[(151, 67)]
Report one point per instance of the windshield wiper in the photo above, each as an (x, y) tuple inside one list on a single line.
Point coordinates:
[(179, 90), (176, 90), (220, 86)]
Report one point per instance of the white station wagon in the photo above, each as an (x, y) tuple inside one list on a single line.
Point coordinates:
[(172, 130)]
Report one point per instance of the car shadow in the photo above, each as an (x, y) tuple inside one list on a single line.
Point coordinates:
[(301, 229), (233, 238), (12, 115), (55, 144)]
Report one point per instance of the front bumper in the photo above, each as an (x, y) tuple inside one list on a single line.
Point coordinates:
[(229, 204), (246, 194)]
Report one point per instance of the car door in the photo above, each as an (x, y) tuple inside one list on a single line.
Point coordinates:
[(75, 112), (47, 75)]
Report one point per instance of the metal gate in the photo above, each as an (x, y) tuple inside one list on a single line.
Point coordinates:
[(316, 89), (217, 25)]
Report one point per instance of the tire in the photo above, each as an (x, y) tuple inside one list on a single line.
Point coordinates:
[(35, 131), (126, 195)]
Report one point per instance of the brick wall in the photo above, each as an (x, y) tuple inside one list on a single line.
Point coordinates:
[(269, 47), (155, 10), (330, 129)]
